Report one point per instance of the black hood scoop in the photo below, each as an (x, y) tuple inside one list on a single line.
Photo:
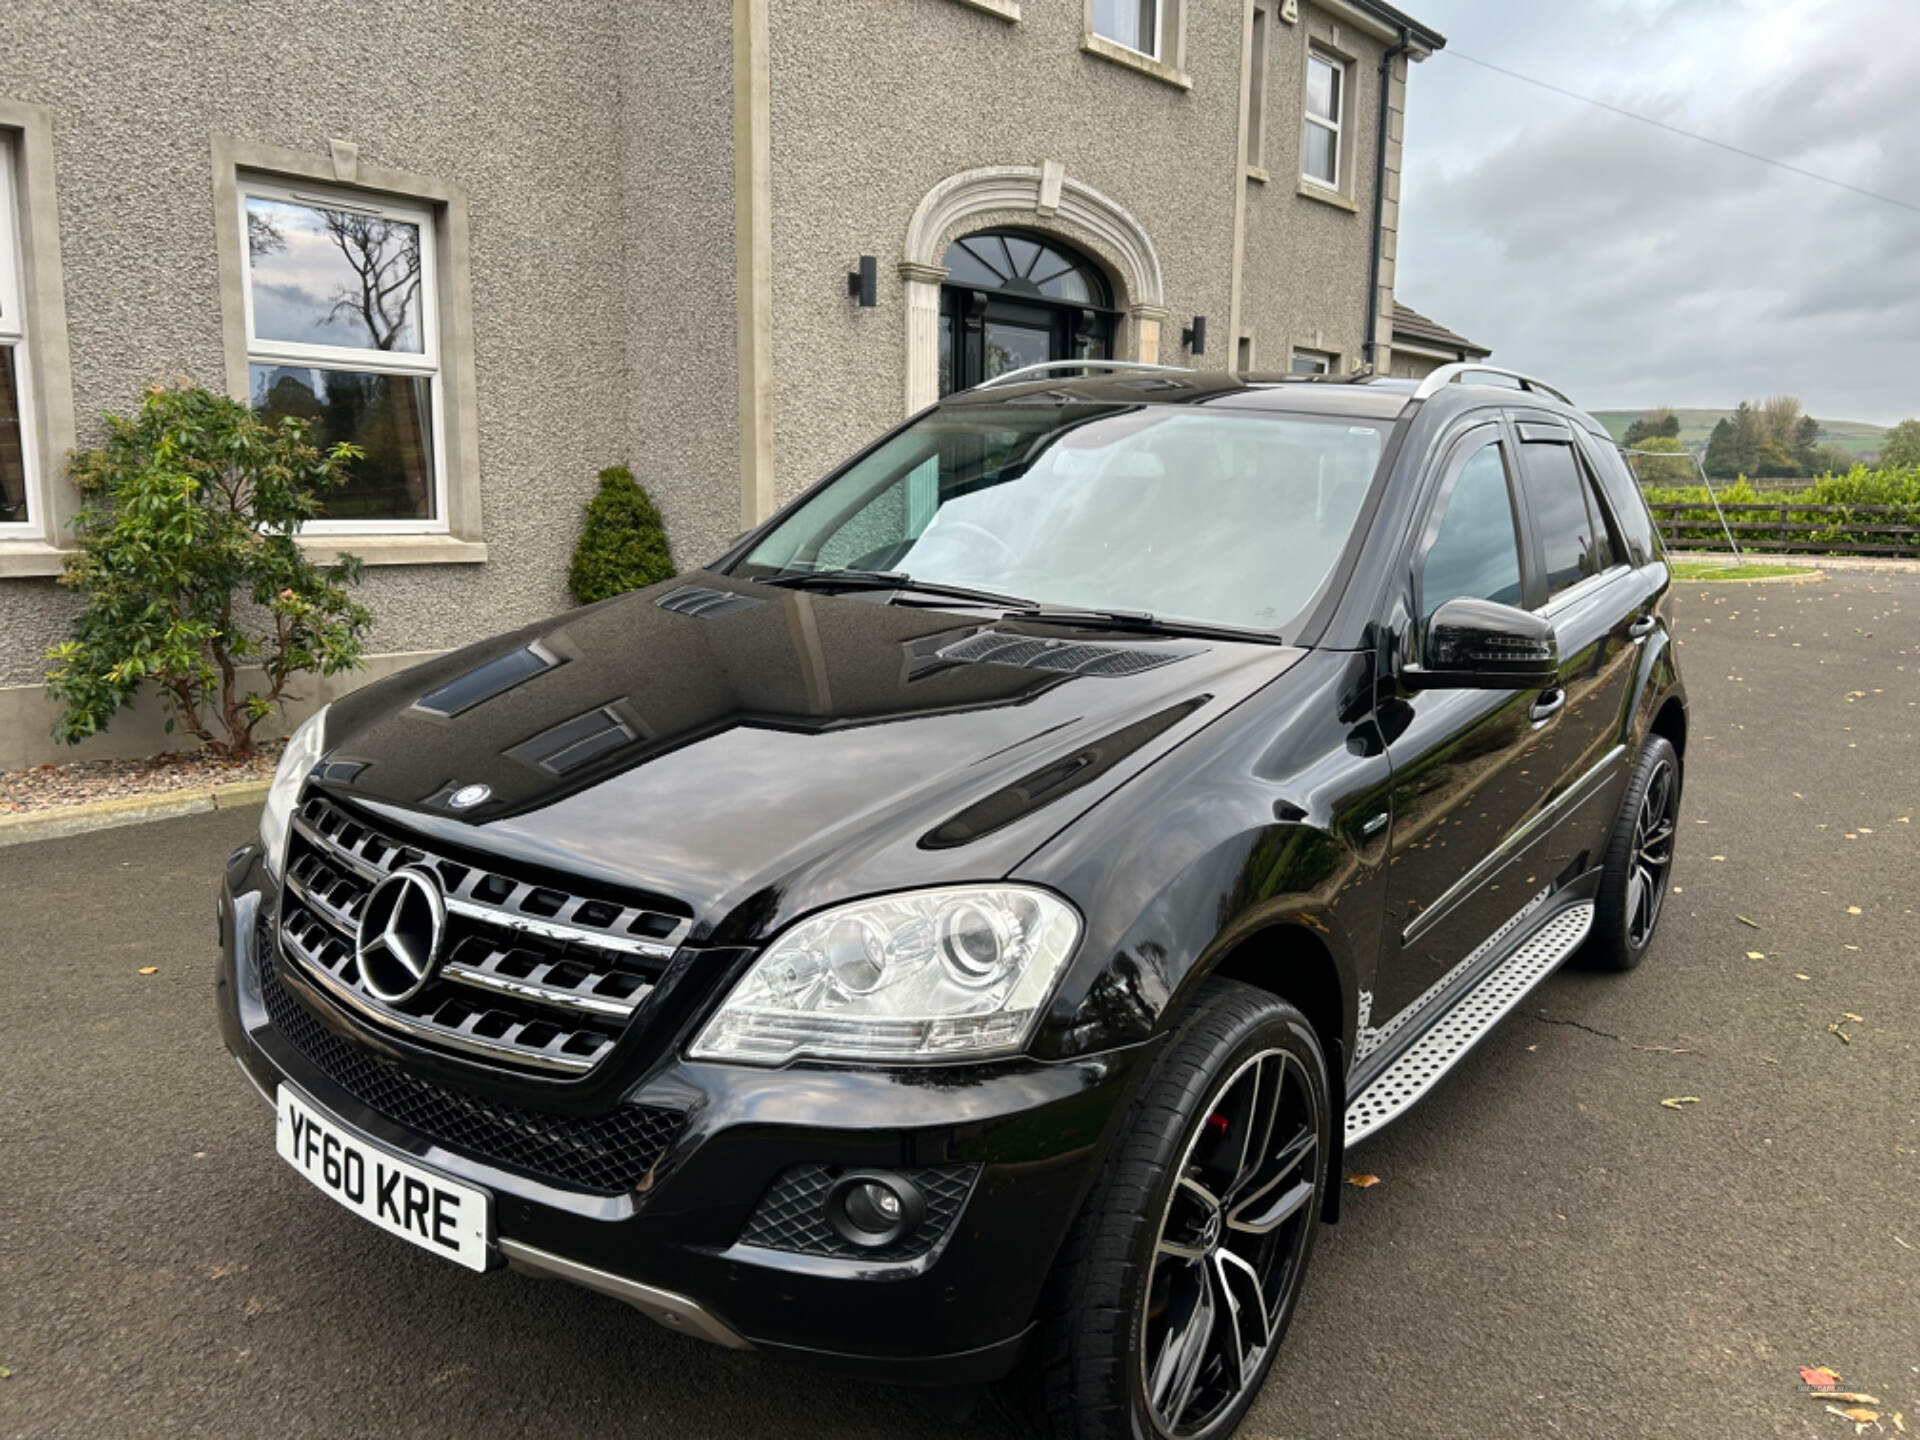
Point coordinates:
[(1064, 657)]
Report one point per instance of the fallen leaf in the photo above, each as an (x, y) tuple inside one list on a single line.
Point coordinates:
[(149, 969), (1857, 1019), (1901, 1243), (1716, 857), (1820, 1377), (1860, 1415), (1853, 909), (1899, 1422), (1904, 820), (1834, 1029), (1744, 921), (1756, 955), (1678, 1100), (1852, 1397), (5, 1373), (1363, 1182), (1798, 976)]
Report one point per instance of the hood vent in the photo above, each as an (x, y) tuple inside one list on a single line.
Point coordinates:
[(703, 602), (1067, 657), (572, 743), (483, 682)]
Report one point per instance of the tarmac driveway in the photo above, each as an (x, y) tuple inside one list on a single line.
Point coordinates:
[(1549, 1250)]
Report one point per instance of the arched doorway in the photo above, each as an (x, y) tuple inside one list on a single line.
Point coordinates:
[(1016, 297)]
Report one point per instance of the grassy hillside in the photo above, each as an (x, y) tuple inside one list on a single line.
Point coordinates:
[(1856, 437)]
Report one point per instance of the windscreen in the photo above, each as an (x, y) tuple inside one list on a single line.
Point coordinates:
[(1224, 517)]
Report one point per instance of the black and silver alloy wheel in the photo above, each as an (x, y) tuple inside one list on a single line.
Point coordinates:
[(1177, 1282), (1230, 1243), (1638, 864), (1652, 852)]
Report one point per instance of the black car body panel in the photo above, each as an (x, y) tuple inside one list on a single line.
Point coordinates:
[(1287, 810)]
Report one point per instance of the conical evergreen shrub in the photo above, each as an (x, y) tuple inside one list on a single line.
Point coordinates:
[(623, 545)]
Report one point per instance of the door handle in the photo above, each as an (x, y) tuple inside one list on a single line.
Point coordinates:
[(1547, 706), (1641, 628)]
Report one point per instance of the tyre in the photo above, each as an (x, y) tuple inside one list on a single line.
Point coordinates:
[(1638, 861), (1177, 1282)]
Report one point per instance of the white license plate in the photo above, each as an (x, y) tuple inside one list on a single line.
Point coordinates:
[(435, 1213)]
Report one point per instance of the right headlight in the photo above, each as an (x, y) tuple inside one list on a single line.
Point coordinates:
[(958, 972)]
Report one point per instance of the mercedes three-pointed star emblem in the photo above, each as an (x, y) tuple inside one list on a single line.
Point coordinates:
[(400, 932)]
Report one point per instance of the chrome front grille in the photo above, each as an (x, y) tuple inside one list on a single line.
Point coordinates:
[(530, 976)]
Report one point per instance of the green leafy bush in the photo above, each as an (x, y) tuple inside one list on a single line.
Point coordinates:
[(623, 545), (189, 570), (1804, 529)]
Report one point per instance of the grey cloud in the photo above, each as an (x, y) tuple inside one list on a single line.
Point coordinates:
[(1637, 266)]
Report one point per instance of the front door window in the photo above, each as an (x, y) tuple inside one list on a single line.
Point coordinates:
[(1013, 299)]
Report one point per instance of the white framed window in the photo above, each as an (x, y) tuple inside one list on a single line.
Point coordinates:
[(20, 502), (1325, 109), (1132, 23), (340, 298), (1314, 362)]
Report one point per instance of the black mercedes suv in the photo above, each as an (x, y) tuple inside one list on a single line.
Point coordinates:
[(957, 932)]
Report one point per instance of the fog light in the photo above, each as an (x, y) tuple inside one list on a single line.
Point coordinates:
[(872, 1208)]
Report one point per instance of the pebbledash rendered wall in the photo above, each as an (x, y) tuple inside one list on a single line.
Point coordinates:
[(595, 144)]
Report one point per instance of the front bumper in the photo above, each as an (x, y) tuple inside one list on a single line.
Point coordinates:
[(670, 1244)]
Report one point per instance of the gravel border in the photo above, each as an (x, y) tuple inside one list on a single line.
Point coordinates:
[(84, 782)]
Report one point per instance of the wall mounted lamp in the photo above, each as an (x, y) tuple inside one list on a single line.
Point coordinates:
[(1194, 337), (864, 284)]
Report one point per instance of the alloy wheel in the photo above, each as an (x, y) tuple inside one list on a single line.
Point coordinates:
[(1229, 1250), (1652, 854)]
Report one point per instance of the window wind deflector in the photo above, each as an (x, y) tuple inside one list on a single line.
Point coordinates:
[(884, 580), (1140, 622), (483, 682)]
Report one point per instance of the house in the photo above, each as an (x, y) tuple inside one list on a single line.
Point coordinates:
[(727, 247), (1421, 346)]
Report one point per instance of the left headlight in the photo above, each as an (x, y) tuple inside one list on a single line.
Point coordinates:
[(959, 972), (296, 763)]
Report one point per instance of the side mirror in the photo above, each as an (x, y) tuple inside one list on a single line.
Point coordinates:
[(1481, 645)]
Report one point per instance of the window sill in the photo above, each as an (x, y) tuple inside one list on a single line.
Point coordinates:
[(1133, 60), (21, 559), (1312, 190), (1006, 9), (375, 549), (1258, 172)]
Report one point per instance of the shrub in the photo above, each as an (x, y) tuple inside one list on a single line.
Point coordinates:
[(189, 570), (623, 545)]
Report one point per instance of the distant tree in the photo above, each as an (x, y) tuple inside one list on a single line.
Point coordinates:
[(1722, 460), (1806, 438), (1830, 460), (1658, 422), (1658, 469), (1902, 445)]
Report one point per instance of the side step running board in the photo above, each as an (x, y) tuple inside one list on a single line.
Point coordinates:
[(1416, 1072)]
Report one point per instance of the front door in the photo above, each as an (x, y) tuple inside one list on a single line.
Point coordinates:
[(1014, 299), (1468, 857)]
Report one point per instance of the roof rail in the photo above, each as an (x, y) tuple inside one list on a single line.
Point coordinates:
[(1434, 383), (1047, 367)]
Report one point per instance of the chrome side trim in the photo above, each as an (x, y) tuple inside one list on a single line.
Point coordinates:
[(673, 1310), (1372, 1040), (1519, 840), (1396, 1088), (507, 919)]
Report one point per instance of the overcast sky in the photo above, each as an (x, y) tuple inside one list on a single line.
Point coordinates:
[(1635, 267)]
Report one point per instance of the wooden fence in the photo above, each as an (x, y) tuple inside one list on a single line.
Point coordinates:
[(1787, 526)]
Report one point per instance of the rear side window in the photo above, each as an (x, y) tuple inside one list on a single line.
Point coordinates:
[(1629, 506), (1475, 550), (1574, 542)]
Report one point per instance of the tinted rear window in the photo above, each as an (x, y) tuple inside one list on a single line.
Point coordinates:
[(1629, 508)]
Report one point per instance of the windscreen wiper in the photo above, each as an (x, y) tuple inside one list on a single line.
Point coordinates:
[(1138, 621), (885, 580)]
